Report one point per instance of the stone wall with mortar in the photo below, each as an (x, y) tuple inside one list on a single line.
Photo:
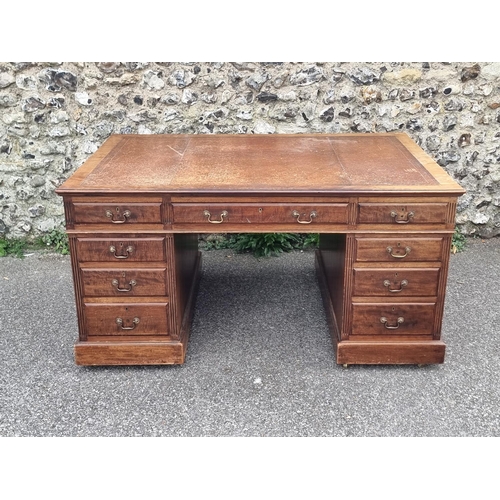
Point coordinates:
[(54, 115)]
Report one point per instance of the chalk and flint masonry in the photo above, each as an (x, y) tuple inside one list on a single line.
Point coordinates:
[(54, 115)]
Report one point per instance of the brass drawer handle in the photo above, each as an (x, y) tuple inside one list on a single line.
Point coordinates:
[(402, 284), (119, 322), (396, 256), (389, 327), (126, 255), (223, 214), (403, 218), (111, 216), (116, 284), (312, 215)]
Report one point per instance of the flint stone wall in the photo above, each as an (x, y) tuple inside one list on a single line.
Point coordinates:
[(54, 115)]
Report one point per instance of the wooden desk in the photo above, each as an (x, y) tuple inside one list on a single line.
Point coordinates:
[(385, 212)]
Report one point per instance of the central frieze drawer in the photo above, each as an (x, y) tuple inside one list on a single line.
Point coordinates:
[(126, 319), (117, 213), (126, 282), (120, 249), (400, 282), (393, 319), (404, 249), (260, 213)]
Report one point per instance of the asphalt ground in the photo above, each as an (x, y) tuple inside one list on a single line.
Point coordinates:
[(259, 362)]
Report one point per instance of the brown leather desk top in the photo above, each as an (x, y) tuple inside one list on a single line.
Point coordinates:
[(273, 164)]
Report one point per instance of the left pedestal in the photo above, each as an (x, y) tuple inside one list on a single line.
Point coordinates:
[(135, 296)]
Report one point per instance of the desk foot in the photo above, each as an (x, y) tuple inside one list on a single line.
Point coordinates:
[(130, 353), (390, 353)]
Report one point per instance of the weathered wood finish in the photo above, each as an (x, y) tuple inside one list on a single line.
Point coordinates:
[(384, 209)]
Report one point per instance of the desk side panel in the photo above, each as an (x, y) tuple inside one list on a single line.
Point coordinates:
[(186, 262), (332, 248)]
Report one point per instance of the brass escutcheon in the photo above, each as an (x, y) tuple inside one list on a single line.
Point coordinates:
[(223, 214), (312, 215), (126, 214)]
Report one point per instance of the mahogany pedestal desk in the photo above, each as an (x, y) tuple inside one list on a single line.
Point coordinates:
[(385, 212)]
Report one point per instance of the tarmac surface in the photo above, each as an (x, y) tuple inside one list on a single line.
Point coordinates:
[(259, 363)]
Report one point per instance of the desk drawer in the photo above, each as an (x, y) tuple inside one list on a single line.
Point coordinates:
[(260, 213), (120, 249), (393, 319), (126, 319), (400, 214), (399, 282), (117, 213), (124, 282), (401, 249)]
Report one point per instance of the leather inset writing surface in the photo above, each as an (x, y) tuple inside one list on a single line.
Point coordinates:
[(260, 163), (257, 163)]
